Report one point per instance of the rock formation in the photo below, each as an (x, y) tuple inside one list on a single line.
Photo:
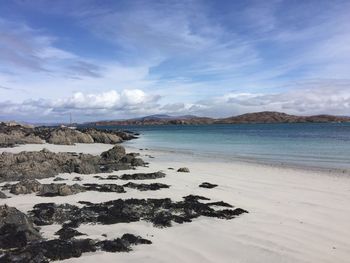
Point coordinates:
[(14, 134), (42, 164)]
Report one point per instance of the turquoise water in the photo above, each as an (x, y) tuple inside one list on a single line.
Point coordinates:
[(314, 145)]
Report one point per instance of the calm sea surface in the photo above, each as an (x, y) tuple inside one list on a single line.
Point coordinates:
[(314, 145)]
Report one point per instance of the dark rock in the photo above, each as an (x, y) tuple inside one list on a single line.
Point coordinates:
[(60, 249), (116, 245), (135, 240), (2, 195), (68, 233), (220, 203), (105, 188), (111, 177), (146, 187), (161, 212), (59, 179), (142, 176), (114, 154), (16, 229), (207, 185), (77, 178), (137, 162), (183, 170)]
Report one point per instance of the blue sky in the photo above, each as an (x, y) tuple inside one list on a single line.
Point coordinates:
[(120, 59)]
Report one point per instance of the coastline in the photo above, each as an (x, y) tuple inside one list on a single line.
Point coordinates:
[(295, 215), (220, 158)]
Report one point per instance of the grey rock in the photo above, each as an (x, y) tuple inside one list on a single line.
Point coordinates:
[(26, 186), (2, 195), (103, 136), (114, 154), (68, 136), (60, 189), (11, 135), (16, 229), (43, 164)]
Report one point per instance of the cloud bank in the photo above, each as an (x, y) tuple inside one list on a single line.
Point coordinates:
[(310, 98)]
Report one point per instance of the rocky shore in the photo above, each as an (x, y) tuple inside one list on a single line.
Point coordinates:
[(45, 174), (12, 134)]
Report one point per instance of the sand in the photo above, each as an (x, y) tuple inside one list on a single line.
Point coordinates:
[(295, 215)]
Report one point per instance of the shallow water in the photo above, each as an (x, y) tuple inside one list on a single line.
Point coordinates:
[(314, 145)]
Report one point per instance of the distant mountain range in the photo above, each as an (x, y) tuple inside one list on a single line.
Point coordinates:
[(257, 117)]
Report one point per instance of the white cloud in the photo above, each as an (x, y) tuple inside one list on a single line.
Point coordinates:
[(313, 97)]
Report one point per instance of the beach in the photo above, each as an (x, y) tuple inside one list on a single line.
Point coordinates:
[(295, 215)]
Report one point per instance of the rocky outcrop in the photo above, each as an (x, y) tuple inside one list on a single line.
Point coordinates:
[(11, 135), (16, 230), (42, 164), (114, 154), (26, 186), (68, 136), (14, 134), (105, 136), (160, 212)]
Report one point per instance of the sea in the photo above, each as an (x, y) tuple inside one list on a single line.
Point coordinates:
[(314, 145)]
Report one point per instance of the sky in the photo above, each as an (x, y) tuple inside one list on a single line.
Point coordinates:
[(104, 59)]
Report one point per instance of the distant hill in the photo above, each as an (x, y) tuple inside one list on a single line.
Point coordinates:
[(256, 117)]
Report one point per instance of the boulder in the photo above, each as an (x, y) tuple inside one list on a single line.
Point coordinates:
[(25, 186), (16, 229), (114, 154), (183, 170), (2, 195)]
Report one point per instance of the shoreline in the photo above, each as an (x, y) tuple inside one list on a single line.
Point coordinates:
[(295, 215), (250, 161), (99, 147)]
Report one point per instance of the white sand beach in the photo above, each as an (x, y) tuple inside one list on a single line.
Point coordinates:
[(294, 215)]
